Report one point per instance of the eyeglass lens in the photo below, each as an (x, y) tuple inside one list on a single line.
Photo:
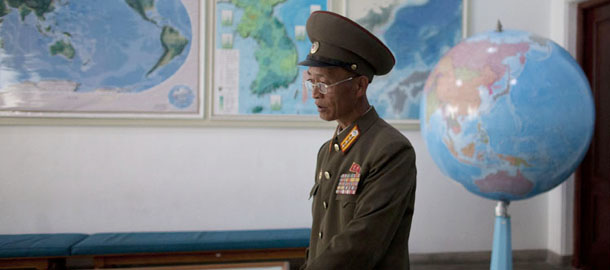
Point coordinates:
[(321, 86)]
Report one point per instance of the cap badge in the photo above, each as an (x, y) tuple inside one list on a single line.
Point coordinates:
[(314, 47), (354, 67)]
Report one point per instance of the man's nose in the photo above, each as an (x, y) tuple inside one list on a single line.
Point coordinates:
[(315, 92)]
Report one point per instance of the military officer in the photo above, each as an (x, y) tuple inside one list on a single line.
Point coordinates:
[(364, 190)]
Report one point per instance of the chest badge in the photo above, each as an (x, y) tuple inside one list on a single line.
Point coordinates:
[(355, 168), (348, 183), (350, 139)]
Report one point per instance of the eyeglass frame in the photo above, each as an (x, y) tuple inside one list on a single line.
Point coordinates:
[(322, 87)]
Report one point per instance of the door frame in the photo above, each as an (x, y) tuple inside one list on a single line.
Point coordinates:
[(578, 256)]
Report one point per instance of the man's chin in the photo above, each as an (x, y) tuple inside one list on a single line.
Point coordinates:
[(326, 117)]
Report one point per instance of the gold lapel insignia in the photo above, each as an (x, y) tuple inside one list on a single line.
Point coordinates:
[(350, 139)]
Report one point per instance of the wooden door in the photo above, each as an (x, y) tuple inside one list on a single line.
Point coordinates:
[(592, 206)]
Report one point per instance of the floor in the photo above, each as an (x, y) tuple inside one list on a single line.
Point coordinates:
[(516, 266)]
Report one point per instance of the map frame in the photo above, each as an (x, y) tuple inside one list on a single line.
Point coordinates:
[(241, 119), (196, 58)]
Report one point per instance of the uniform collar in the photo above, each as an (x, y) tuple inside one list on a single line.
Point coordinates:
[(349, 136)]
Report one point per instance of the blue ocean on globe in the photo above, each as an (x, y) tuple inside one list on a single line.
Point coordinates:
[(99, 45), (508, 114)]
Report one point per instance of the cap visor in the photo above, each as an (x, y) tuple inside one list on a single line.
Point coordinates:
[(315, 63)]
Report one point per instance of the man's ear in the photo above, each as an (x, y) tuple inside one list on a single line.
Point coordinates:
[(362, 82)]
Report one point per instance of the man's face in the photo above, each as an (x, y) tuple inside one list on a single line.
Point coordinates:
[(340, 101)]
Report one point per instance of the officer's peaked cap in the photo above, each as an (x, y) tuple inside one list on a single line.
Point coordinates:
[(339, 41)]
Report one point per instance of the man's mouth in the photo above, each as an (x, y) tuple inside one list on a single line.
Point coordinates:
[(320, 108)]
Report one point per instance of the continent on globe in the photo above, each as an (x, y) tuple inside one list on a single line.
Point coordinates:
[(276, 54), (501, 181), (457, 78), (514, 161)]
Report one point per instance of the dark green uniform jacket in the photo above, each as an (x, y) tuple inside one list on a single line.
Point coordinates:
[(363, 199)]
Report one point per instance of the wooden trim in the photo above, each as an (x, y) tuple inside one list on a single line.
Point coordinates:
[(592, 3), (579, 189), (114, 260), (283, 265), (14, 263), (580, 39), (577, 245)]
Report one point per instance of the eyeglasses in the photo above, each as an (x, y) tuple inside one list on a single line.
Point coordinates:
[(322, 87)]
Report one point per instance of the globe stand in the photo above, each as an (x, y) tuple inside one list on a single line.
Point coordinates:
[(501, 254)]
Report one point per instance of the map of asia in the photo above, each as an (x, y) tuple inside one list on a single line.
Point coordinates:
[(259, 43)]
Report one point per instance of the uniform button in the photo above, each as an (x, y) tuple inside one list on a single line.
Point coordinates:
[(327, 175), (325, 205), (320, 235), (320, 176), (337, 148)]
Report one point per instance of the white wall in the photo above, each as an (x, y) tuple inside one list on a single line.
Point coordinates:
[(57, 179), (527, 15), (95, 179)]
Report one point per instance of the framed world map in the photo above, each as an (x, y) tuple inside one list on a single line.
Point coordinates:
[(89, 58)]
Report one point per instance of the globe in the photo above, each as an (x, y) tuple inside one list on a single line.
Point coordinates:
[(90, 45), (507, 114)]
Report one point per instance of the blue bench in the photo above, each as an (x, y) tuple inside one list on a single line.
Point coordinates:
[(38, 251), (105, 250), (166, 248)]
